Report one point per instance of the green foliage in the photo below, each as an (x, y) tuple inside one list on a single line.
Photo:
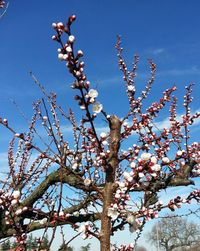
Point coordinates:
[(31, 242), (64, 247), (45, 242), (5, 245), (86, 248), (15, 244)]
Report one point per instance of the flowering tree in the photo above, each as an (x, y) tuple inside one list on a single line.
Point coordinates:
[(53, 182)]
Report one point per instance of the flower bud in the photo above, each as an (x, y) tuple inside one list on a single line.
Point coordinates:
[(54, 37), (54, 25), (71, 39), (60, 25)]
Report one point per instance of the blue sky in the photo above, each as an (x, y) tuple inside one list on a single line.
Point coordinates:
[(165, 31)]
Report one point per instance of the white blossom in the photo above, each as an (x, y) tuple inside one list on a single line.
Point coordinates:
[(75, 166), (105, 143), (131, 88), (131, 245), (121, 185), (71, 38), (65, 57), (117, 195), (156, 167), (16, 194), (14, 202), (44, 118), (68, 49), (93, 93), (97, 107), (87, 182), (132, 164), (76, 214), (60, 56), (179, 153), (130, 219), (126, 175), (18, 211), (92, 100), (103, 135), (165, 160), (61, 214), (130, 179), (113, 213), (145, 156), (82, 107), (82, 228), (154, 160)]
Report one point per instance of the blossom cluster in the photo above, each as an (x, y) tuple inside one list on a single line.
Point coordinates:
[(10, 203), (176, 203), (8, 200), (85, 230), (76, 66)]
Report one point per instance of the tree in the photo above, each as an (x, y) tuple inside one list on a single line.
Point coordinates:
[(175, 232), (45, 242), (93, 180), (15, 245), (31, 242), (85, 248), (65, 247), (5, 245)]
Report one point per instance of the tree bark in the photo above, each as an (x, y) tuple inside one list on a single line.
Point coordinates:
[(112, 164)]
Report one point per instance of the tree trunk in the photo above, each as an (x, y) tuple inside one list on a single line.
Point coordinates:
[(108, 193), (105, 220)]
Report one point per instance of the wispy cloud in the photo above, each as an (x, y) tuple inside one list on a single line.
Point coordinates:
[(109, 80), (143, 75), (157, 51), (165, 123), (194, 70)]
